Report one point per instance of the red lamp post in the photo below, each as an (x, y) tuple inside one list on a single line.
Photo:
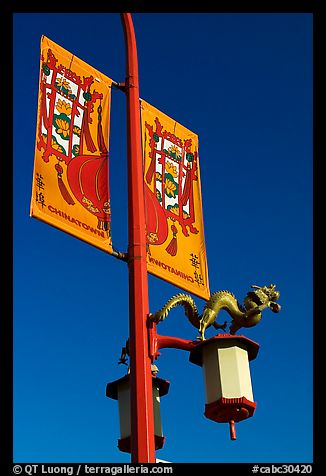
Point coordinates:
[(142, 418)]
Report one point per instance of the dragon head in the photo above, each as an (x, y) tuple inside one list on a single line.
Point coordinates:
[(267, 295), (271, 292)]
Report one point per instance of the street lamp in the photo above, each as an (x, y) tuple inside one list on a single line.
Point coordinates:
[(120, 390), (225, 362)]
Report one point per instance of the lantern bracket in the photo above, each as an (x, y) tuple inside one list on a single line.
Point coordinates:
[(120, 86)]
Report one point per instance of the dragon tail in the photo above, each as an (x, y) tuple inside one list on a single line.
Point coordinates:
[(181, 299)]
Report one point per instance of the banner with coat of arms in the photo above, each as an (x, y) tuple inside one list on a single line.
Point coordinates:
[(176, 249), (70, 179)]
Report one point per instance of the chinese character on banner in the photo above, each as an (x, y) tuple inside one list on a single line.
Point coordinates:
[(176, 249), (71, 166)]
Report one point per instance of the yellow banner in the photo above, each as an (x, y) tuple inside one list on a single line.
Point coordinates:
[(176, 249), (70, 180)]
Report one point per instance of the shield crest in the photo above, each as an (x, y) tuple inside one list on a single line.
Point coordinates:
[(169, 179)]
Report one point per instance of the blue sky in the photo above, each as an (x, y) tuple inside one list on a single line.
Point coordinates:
[(243, 83)]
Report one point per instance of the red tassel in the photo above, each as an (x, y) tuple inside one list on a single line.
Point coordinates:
[(186, 188), (100, 137), (150, 170), (64, 192), (103, 224), (43, 107), (172, 247), (86, 133)]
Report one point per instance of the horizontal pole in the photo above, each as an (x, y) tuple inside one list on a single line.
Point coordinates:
[(120, 255), (175, 343), (158, 342)]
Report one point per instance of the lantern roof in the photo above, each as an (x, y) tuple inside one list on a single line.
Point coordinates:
[(251, 346), (112, 387)]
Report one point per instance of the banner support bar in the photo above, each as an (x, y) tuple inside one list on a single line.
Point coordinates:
[(120, 255)]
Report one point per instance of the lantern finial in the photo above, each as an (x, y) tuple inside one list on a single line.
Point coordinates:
[(233, 435)]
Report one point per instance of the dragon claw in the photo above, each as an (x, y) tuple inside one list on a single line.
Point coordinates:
[(220, 326)]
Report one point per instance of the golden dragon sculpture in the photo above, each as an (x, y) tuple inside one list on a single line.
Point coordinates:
[(247, 315)]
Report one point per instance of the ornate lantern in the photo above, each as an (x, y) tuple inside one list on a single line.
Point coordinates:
[(225, 361), (120, 390)]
